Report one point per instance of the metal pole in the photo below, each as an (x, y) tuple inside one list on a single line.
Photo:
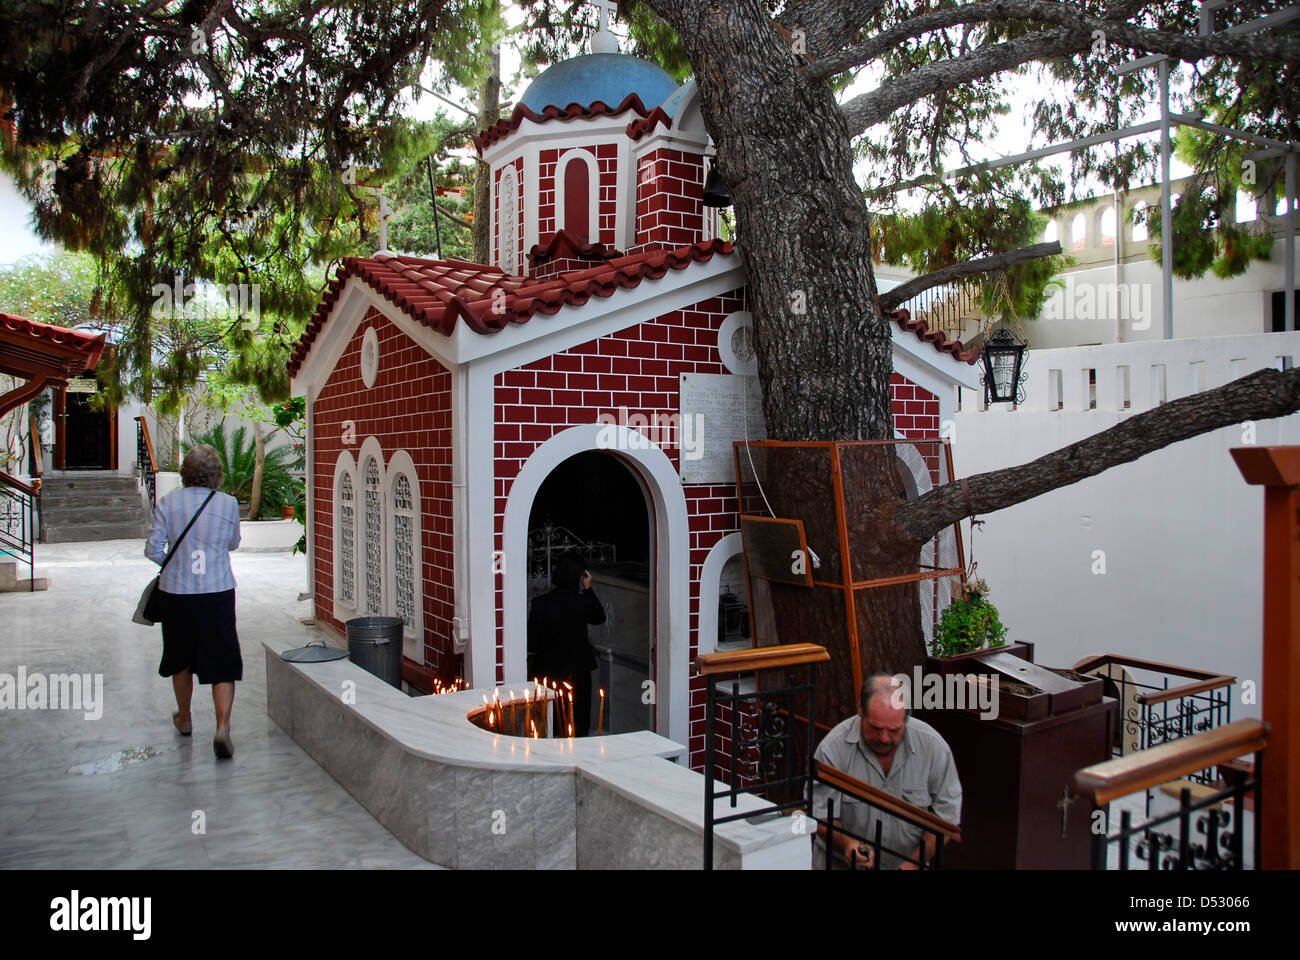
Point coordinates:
[(433, 199), (1166, 215), (1289, 294)]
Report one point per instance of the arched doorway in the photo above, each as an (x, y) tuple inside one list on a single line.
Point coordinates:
[(669, 558), (595, 507)]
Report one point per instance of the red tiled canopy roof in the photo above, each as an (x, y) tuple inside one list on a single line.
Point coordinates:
[(28, 347), (436, 292), (503, 128), (936, 337)]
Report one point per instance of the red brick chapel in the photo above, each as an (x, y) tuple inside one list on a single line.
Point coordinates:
[(441, 395)]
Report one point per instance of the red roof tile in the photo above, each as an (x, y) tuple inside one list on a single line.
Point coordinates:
[(437, 292), (503, 128), (643, 125), (62, 348), (565, 243), (936, 337)]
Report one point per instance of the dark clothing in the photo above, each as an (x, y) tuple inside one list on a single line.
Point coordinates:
[(558, 646), (198, 633)]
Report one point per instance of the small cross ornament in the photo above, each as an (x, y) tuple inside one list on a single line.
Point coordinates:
[(1064, 804)]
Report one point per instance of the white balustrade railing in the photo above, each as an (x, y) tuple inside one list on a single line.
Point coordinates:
[(1143, 374)]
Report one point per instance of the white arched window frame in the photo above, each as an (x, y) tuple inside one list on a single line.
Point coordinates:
[(405, 551), (372, 539), (1140, 231), (344, 512), (1079, 232), (593, 190), (508, 221)]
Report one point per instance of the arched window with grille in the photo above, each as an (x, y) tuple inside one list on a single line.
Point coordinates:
[(372, 479), (345, 532), (406, 583)]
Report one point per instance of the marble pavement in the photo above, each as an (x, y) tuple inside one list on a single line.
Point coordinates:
[(123, 790)]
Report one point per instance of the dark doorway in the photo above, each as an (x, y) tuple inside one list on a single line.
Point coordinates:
[(593, 506), (1278, 301), (85, 439)]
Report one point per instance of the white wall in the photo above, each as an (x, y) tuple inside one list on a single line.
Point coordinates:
[(1206, 307), (1181, 531)]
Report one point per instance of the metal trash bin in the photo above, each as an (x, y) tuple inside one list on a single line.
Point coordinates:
[(375, 645)]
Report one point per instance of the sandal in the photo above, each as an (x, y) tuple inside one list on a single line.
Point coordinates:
[(186, 728), (221, 744)]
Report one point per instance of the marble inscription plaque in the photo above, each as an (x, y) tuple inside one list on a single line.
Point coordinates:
[(717, 410)]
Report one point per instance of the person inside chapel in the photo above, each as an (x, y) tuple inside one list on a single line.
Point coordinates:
[(558, 646), (885, 747)]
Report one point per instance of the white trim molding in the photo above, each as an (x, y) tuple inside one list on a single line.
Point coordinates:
[(593, 189), (706, 639), (344, 468)]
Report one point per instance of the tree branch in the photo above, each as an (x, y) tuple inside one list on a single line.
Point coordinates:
[(999, 261), (827, 24), (1064, 15), (868, 109), (1262, 395)]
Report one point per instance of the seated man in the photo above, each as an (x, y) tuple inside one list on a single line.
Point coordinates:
[(886, 748)]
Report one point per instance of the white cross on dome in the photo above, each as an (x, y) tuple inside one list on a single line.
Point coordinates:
[(603, 41)]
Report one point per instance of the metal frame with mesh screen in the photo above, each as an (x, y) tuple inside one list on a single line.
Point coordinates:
[(819, 485)]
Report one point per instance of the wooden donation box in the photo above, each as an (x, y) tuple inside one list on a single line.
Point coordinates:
[(1016, 767)]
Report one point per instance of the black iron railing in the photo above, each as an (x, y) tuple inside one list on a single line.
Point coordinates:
[(757, 731), (19, 508), (1159, 703), (146, 464), (932, 832), (1207, 829), (950, 307)]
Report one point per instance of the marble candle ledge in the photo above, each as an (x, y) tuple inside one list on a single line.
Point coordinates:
[(436, 727), (436, 781)]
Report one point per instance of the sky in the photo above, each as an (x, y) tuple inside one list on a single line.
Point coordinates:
[(17, 239)]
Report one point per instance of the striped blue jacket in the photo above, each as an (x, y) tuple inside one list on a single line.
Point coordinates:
[(202, 564)]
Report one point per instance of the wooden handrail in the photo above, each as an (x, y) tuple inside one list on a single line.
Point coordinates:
[(759, 658), (840, 780), (18, 485), (1104, 782), (1174, 693), (1207, 681), (148, 442), (35, 439)]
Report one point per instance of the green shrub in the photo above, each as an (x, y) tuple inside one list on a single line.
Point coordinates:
[(970, 623), (238, 453)]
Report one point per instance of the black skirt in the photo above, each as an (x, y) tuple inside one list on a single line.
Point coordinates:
[(198, 631)]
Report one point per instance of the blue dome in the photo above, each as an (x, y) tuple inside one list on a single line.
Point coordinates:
[(608, 77)]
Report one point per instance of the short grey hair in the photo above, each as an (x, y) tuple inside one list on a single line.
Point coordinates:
[(884, 684), (202, 468)]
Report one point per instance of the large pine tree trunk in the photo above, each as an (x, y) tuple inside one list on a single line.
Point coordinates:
[(823, 346)]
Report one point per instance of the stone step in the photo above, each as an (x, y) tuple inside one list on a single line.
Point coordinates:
[(73, 513), (89, 498), (13, 580), (91, 483), (85, 532)]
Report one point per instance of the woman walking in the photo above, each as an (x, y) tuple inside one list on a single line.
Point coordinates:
[(197, 591)]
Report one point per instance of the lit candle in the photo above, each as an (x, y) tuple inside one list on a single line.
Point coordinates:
[(600, 716)]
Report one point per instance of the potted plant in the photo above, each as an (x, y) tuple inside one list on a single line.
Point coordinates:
[(970, 623)]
